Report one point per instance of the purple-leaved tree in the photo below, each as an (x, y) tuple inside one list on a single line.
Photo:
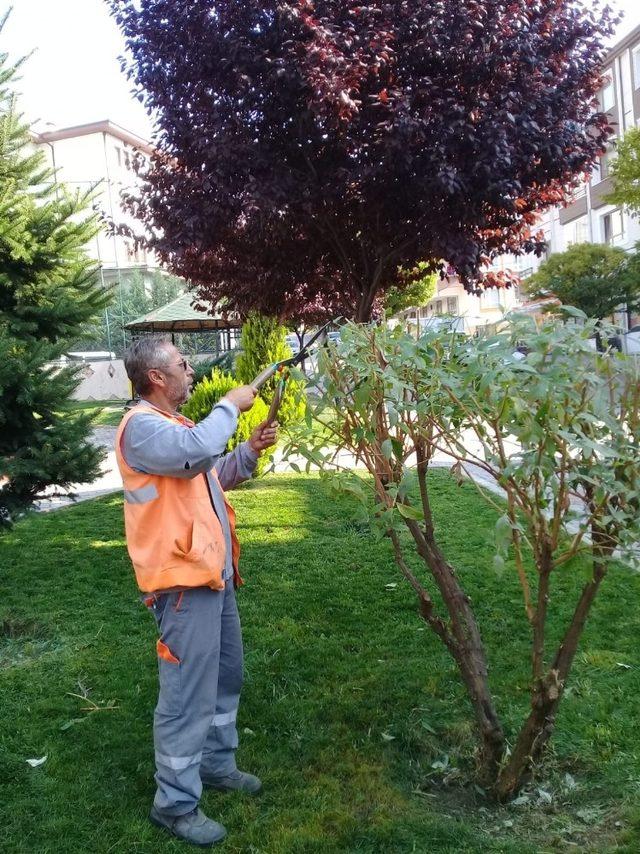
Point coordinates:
[(307, 150)]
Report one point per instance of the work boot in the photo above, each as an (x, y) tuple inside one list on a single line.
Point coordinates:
[(237, 781), (194, 827)]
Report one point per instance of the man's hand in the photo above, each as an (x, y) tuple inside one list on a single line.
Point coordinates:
[(242, 396), (264, 436)]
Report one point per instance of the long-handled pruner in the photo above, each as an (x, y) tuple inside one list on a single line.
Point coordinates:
[(283, 366)]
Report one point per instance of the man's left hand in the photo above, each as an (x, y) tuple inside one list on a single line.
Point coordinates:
[(264, 436)]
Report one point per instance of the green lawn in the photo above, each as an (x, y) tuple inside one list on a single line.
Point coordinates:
[(352, 713), (108, 412)]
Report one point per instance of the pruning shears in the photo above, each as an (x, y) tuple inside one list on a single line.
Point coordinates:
[(282, 368)]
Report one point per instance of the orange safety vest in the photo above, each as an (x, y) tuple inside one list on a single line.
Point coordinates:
[(174, 537)]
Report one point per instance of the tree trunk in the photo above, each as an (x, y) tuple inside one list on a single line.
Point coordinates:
[(466, 645), (471, 659), (547, 694), (365, 304)]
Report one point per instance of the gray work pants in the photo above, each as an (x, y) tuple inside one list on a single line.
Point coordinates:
[(200, 680)]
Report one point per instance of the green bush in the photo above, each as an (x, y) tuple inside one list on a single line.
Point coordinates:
[(224, 362), (202, 370), (263, 342), (208, 392)]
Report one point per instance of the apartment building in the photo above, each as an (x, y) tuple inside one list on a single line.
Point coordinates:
[(588, 218), (473, 313), (101, 154)]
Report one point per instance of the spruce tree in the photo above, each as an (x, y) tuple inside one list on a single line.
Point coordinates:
[(48, 292)]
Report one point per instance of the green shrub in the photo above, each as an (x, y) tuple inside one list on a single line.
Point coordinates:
[(223, 362), (208, 392), (202, 370), (263, 343)]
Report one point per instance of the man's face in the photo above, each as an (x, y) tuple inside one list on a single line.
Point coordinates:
[(178, 376)]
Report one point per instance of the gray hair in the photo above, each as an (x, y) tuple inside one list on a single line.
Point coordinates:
[(145, 353)]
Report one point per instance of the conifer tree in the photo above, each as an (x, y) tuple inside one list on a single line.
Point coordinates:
[(263, 342), (48, 292)]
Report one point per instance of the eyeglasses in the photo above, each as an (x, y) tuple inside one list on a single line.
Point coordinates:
[(183, 363)]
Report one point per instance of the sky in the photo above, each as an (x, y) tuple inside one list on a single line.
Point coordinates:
[(74, 77)]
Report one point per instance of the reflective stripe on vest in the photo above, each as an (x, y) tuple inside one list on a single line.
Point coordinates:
[(174, 537)]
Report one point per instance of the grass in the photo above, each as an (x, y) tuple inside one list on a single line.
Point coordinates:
[(352, 713), (108, 413)]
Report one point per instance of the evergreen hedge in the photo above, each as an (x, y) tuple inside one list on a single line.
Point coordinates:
[(263, 342)]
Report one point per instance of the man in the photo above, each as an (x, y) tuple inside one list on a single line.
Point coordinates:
[(181, 539)]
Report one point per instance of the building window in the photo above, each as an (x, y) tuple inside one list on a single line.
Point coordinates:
[(490, 298), (576, 231), (123, 156), (579, 192), (437, 308), (605, 163), (452, 305), (635, 59), (608, 94), (613, 228)]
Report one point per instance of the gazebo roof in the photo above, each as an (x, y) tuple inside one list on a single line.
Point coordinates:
[(180, 315)]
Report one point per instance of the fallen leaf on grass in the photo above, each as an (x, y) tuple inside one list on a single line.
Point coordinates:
[(35, 762), (72, 722)]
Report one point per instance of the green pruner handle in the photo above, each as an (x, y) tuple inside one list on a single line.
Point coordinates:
[(265, 375), (277, 400)]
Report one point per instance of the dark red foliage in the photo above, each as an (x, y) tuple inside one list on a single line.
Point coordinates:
[(308, 149)]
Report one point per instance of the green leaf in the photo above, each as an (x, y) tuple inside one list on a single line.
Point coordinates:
[(572, 311), (398, 448), (503, 533), (410, 512)]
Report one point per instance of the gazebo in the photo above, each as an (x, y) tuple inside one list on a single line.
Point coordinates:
[(180, 315)]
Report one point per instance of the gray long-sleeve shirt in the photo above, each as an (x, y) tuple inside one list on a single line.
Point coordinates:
[(158, 446)]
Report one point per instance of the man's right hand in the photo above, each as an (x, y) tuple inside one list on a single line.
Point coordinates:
[(242, 396)]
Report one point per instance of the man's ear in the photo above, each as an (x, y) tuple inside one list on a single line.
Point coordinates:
[(156, 377)]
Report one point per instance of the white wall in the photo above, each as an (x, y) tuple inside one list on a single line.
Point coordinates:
[(99, 384)]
